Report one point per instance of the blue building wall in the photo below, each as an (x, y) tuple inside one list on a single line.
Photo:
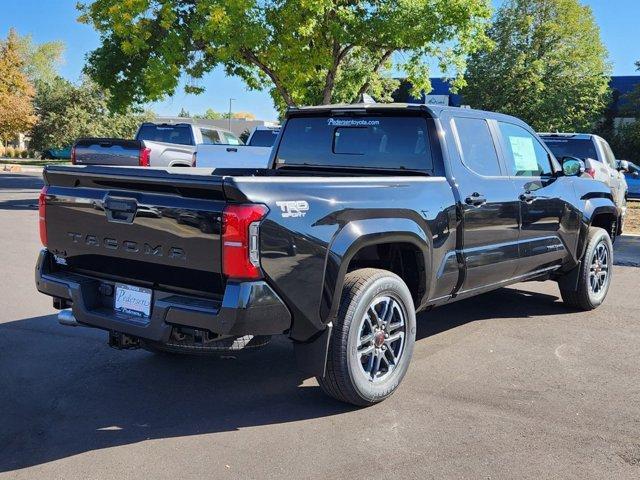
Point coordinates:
[(620, 86)]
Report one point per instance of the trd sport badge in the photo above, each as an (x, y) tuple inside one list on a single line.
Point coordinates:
[(293, 208)]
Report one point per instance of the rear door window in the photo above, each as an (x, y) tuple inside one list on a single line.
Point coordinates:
[(525, 155), (178, 134), (210, 137), (609, 157), (476, 146), (357, 142), (263, 138), (230, 139)]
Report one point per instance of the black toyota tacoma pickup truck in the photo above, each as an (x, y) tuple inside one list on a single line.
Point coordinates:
[(368, 214)]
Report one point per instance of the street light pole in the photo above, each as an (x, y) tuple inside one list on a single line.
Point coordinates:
[(230, 100)]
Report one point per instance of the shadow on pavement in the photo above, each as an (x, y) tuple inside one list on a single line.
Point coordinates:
[(64, 392), (627, 251), (503, 303), (13, 181), (25, 204), (19, 192)]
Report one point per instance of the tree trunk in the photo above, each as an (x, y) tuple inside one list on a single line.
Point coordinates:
[(338, 56), (250, 56), (379, 65)]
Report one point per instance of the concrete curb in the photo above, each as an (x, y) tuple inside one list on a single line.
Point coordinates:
[(13, 168)]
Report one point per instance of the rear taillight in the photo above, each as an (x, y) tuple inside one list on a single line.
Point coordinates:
[(42, 215), (145, 156), (73, 155), (240, 241), (194, 159), (591, 172)]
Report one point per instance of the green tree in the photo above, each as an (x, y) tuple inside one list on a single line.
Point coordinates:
[(632, 107), (625, 142), (625, 138), (211, 114), (67, 112), (16, 91), (303, 51), (40, 61), (549, 66)]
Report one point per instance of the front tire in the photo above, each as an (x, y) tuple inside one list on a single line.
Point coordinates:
[(372, 340), (594, 277)]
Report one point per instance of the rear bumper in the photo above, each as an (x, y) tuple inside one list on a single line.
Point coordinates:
[(247, 308)]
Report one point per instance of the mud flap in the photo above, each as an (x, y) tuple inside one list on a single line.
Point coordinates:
[(569, 281), (311, 356)]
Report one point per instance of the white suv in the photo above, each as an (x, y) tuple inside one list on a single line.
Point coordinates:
[(599, 160)]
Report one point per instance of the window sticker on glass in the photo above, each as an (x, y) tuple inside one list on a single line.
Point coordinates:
[(524, 153)]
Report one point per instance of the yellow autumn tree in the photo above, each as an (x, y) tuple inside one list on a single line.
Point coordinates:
[(16, 92)]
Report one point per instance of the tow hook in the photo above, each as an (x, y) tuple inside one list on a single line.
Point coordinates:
[(122, 341)]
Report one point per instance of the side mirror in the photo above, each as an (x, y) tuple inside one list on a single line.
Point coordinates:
[(635, 174), (572, 166), (622, 165)]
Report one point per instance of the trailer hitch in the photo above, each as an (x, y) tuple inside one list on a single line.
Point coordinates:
[(122, 341)]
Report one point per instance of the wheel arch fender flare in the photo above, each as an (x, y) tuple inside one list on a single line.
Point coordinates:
[(358, 234), (179, 163), (592, 209)]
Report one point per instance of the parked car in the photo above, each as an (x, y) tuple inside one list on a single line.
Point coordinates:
[(633, 180), (255, 154), (56, 154), (600, 162), (366, 215), (155, 145)]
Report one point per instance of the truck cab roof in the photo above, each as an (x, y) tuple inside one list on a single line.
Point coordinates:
[(576, 136), (435, 111)]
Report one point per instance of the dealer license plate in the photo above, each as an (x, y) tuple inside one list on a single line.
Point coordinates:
[(132, 300)]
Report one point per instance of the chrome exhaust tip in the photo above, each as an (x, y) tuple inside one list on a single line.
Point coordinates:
[(65, 317)]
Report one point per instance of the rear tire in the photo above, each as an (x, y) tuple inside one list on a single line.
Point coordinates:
[(594, 277), (372, 340)]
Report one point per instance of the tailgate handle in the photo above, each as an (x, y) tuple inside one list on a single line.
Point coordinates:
[(121, 210)]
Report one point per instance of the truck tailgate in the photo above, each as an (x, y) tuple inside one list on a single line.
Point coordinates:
[(107, 151), (232, 156), (143, 226)]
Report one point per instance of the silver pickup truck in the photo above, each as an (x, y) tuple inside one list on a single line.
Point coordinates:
[(255, 154), (155, 145)]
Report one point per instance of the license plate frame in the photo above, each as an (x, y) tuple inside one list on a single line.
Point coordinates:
[(132, 300)]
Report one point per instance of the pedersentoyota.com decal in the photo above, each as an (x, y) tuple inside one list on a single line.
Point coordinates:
[(343, 122)]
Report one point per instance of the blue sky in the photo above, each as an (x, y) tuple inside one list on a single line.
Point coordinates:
[(48, 20)]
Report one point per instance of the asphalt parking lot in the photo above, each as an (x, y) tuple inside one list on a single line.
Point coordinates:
[(510, 384)]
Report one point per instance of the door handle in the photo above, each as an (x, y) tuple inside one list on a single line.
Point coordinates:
[(232, 149), (475, 199), (120, 210), (527, 197)]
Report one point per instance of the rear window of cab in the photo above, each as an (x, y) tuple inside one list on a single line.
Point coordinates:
[(178, 134), (387, 142)]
